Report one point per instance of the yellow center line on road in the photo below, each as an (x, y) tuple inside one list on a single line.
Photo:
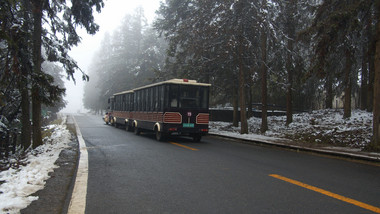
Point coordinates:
[(325, 192), (183, 146)]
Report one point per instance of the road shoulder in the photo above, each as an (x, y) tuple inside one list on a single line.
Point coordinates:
[(56, 195)]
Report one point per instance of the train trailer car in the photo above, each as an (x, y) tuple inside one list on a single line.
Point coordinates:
[(123, 109)]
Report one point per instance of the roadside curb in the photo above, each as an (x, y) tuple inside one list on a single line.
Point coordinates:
[(331, 152), (78, 198)]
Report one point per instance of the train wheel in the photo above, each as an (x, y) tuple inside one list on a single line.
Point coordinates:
[(137, 131), (197, 138), (159, 135)]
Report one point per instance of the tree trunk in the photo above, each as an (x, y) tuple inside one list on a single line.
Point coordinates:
[(371, 65), (291, 9), (36, 100), (347, 84), (243, 111), (376, 101), (240, 58), (364, 80), (25, 110), (289, 100), (250, 101), (264, 70), (26, 130), (235, 103), (242, 97), (250, 94), (365, 62), (329, 92)]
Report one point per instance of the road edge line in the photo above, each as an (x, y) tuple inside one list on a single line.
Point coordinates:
[(332, 153), (78, 197)]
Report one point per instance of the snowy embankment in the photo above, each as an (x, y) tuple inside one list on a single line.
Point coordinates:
[(19, 183), (318, 128)]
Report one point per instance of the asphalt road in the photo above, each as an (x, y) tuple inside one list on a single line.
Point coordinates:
[(137, 174)]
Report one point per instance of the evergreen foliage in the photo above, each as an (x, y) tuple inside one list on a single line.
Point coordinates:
[(34, 32)]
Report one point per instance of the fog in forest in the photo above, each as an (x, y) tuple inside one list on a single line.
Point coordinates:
[(109, 19)]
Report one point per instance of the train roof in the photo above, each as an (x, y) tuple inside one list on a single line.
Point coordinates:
[(172, 81), (175, 81), (123, 92)]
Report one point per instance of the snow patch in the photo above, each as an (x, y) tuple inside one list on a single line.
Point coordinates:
[(322, 126), (19, 184)]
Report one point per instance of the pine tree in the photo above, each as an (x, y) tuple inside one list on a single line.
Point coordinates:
[(37, 73), (80, 13), (291, 8), (336, 25), (264, 70), (26, 129)]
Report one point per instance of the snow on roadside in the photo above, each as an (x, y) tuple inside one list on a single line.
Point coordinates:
[(317, 127), (19, 184)]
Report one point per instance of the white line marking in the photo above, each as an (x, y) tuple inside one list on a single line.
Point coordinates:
[(78, 198)]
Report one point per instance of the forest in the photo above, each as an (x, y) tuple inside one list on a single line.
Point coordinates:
[(35, 38), (299, 54)]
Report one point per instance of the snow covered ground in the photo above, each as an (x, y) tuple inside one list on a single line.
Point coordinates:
[(17, 184), (318, 128)]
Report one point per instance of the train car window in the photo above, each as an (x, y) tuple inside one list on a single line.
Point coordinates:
[(137, 100), (146, 100), (135, 105), (140, 100), (143, 100), (117, 103), (155, 98), (162, 98), (127, 102), (151, 100), (131, 103), (173, 96), (124, 102), (112, 105), (140, 104)]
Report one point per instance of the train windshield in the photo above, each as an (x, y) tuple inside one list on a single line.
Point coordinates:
[(187, 96)]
